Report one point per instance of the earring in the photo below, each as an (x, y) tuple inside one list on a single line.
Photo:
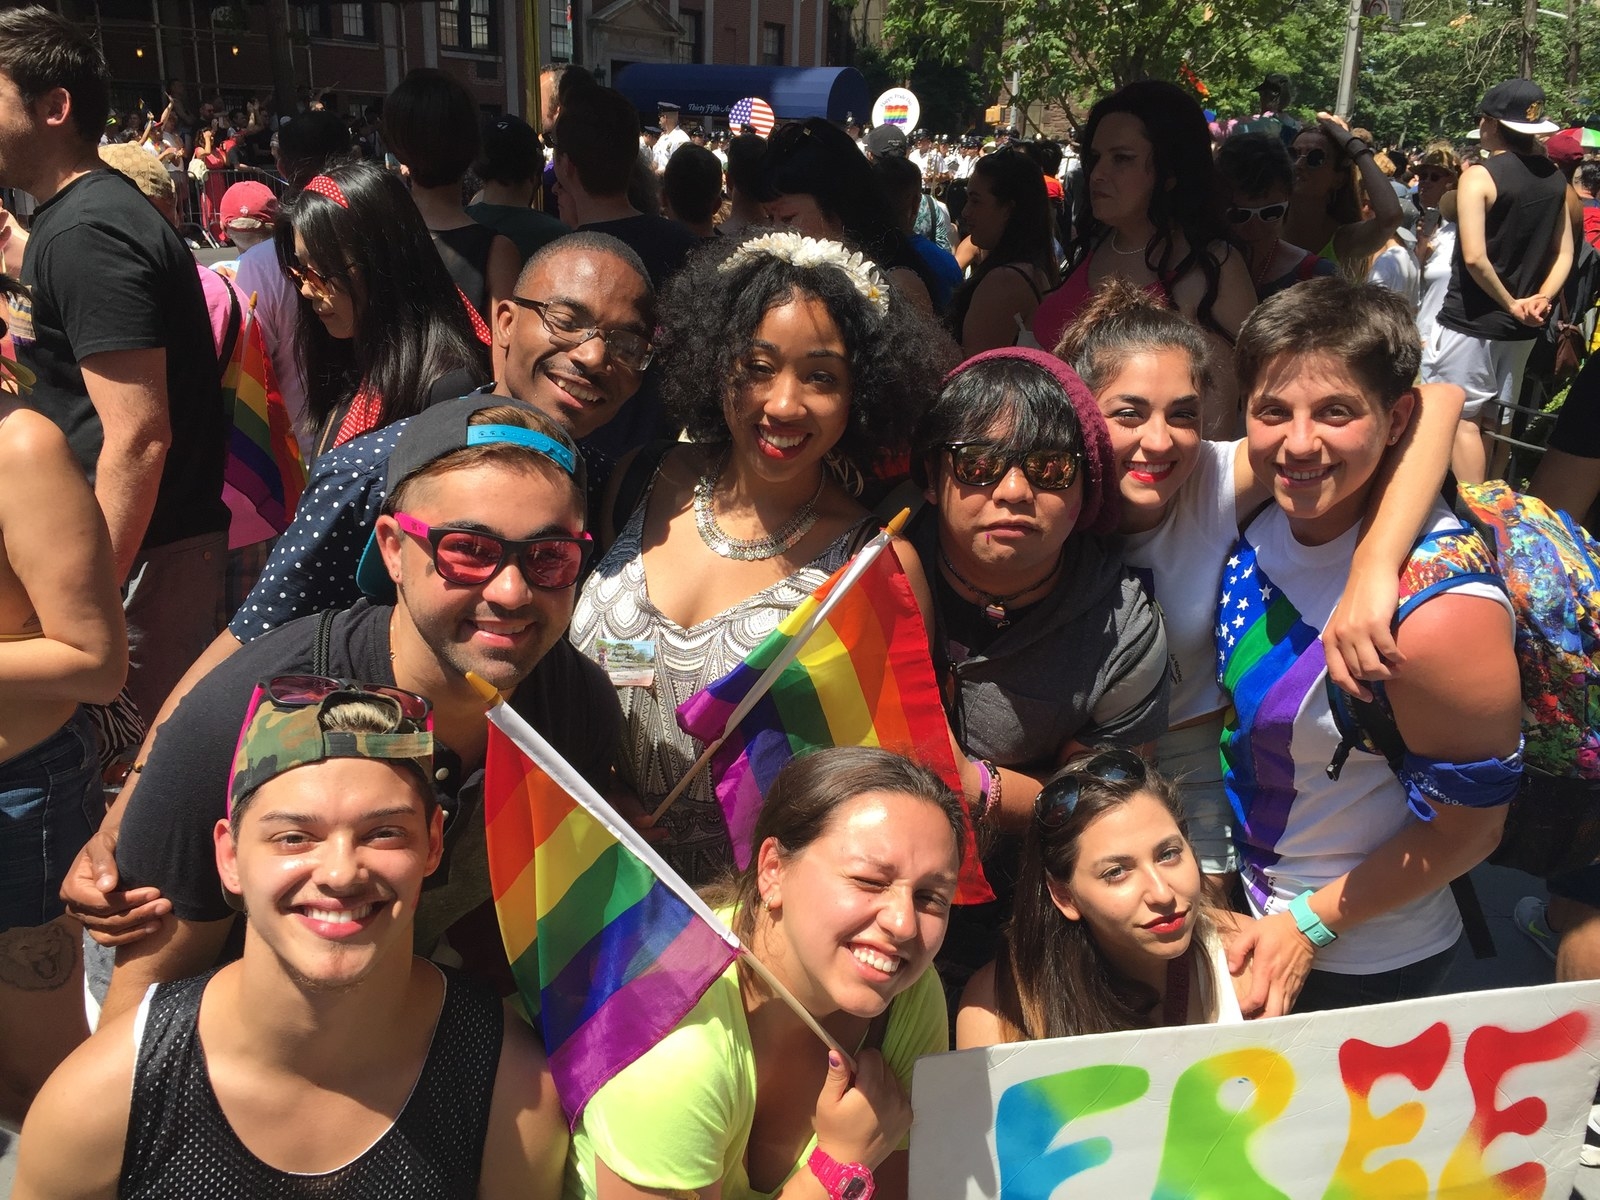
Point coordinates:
[(843, 470)]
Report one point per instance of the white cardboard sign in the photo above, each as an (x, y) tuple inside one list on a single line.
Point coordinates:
[(1480, 1094)]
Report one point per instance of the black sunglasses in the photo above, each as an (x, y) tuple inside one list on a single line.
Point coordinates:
[(1311, 158), (983, 464), (1267, 212), (472, 557), (1053, 807)]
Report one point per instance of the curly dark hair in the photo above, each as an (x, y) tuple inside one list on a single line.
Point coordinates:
[(710, 317)]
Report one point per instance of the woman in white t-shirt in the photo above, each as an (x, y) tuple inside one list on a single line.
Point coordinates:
[(1112, 929), (1184, 501), (1437, 176)]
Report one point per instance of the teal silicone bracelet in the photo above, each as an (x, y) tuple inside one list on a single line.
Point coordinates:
[(1308, 922)]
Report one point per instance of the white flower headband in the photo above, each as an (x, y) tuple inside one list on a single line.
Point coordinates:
[(803, 251)]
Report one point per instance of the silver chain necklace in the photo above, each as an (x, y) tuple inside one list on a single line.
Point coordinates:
[(749, 549)]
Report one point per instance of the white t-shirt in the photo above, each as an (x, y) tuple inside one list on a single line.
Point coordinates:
[(1328, 827), (1436, 280), (1180, 563), (1396, 269), (277, 308)]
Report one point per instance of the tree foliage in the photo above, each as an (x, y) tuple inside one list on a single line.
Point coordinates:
[(1420, 79)]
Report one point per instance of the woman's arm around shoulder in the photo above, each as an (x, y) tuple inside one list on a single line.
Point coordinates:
[(525, 1152), (977, 1021), (73, 1140)]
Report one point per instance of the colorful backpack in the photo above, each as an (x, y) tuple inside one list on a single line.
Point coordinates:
[(1550, 568)]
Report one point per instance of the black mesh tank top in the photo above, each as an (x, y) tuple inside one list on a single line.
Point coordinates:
[(181, 1147)]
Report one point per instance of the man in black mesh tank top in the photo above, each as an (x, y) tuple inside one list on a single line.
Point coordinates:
[(329, 1061)]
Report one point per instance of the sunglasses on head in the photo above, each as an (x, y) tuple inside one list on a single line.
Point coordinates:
[(1435, 175), (981, 464), (1267, 212), (1311, 158), (1054, 805), (304, 691), (472, 557)]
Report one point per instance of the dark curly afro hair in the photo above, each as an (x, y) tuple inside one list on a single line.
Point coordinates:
[(897, 361)]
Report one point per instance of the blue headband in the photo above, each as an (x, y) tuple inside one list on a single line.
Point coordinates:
[(478, 435)]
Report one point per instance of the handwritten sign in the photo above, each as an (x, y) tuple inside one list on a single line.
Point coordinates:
[(1482, 1095)]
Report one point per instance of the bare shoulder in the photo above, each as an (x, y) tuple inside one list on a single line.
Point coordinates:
[(977, 1022), (525, 1151), (73, 1139), (28, 437)]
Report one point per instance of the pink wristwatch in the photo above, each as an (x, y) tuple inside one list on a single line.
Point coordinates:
[(844, 1181)]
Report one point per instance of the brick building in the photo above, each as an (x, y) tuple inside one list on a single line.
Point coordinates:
[(361, 51)]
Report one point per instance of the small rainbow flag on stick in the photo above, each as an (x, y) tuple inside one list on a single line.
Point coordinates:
[(609, 947), (264, 474), (849, 667)]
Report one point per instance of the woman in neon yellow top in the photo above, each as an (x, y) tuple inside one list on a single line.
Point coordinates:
[(846, 902)]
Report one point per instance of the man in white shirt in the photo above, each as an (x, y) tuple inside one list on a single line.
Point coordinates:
[(671, 136)]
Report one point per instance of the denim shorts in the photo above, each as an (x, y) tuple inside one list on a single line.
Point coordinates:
[(46, 795)]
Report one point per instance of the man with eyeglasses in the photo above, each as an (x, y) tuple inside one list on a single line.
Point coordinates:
[(471, 567)]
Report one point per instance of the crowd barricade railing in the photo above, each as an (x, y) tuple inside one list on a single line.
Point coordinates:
[(200, 198)]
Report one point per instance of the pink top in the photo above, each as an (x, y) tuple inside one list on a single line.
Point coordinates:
[(1061, 307)]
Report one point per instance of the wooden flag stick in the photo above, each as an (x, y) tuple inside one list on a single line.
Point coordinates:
[(682, 785), (789, 998)]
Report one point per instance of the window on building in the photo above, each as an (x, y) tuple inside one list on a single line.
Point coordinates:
[(467, 25), (323, 19), (691, 45), (560, 32), (771, 45), (353, 21)]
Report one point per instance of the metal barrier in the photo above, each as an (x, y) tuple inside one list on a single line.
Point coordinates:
[(200, 200)]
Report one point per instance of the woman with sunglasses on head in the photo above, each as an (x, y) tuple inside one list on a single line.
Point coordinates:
[(815, 181), (1326, 210), (1258, 175), (383, 331), (1157, 220), (1045, 644), (795, 368), (1008, 217), (1183, 502), (845, 902), (1112, 929)]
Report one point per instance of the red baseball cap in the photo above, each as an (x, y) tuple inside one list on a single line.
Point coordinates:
[(250, 205), (1564, 147)]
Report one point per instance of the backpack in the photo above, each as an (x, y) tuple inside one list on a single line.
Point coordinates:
[(1550, 569)]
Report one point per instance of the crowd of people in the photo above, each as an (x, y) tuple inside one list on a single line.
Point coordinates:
[(1172, 418)]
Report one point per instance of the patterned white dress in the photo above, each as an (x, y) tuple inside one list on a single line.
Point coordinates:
[(615, 605)]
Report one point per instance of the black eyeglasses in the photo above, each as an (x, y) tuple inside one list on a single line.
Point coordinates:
[(982, 464), (1053, 807), (303, 691), (1267, 212), (1311, 158), (567, 330), (472, 557)]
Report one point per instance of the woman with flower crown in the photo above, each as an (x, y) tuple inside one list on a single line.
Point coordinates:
[(794, 366)]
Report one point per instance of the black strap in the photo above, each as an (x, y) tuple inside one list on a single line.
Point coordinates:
[(230, 337), (1472, 918), (636, 479), (320, 649)]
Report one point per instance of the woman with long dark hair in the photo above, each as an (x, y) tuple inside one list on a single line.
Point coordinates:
[(1157, 220), (816, 181), (382, 330), (1008, 217), (1111, 929)]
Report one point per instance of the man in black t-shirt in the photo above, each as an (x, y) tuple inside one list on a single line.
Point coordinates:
[(115, 327), (500, 470)]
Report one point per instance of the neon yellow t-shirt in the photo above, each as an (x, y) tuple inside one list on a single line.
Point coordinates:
[(680, 1116)]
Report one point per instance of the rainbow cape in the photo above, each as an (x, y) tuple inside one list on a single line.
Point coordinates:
[(609, 947), (264, 474), (860, 676)]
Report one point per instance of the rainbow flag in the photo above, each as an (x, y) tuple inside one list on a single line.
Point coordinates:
[(264, 474), (860, 675), (609, 947)]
